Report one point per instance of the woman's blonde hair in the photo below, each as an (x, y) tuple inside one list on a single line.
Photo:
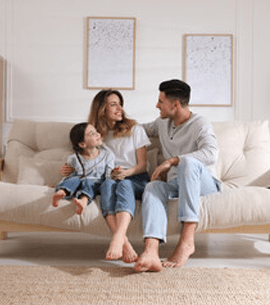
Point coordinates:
[(97, 116)]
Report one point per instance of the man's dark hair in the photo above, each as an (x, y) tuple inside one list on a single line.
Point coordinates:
[(176, 89)]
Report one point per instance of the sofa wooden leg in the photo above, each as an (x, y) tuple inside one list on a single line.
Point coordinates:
[(3, 235)]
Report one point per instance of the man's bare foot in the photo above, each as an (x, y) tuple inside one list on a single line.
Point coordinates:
[(60, 194), (80, 205), (180, 256), (148, 262)]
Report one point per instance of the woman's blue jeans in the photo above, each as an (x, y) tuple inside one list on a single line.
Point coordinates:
[(120, 195), (193, 180), (76, 187)]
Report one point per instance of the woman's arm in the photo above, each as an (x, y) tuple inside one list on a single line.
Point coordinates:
[(141, 167), (66, 170)]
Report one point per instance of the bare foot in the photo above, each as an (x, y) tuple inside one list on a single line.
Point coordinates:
[(80, 205), (121, 247), (129, 254), (148, 262), (180, 256), (115, 250), (60, 194)]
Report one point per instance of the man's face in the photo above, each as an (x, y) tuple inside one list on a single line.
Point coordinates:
[(166, 107)]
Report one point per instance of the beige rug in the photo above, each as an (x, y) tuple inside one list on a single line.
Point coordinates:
[(42, 285)]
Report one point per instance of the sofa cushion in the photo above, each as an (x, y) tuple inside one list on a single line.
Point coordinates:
[(262, 181), (244, 148), (39, 140), (244, 151), (31, 204), (38, 171)]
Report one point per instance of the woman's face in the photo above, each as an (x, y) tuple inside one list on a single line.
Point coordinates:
[(114, 110)]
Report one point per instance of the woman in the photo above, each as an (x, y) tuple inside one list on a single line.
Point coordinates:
[(128, 141)]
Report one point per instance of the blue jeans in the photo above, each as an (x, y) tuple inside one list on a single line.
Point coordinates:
[(120, 195), (193, 180), (76, 187)]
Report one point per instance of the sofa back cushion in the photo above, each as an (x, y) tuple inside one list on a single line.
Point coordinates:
[(244, 149), (42, 141)]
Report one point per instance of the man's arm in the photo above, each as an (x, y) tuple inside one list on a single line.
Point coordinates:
[(165, 167)]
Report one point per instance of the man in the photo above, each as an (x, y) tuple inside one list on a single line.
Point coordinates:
[(190, 148)]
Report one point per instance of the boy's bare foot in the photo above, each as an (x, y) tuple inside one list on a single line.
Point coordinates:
[(80, 205), (180, 256), (60, 194), (148, 262)]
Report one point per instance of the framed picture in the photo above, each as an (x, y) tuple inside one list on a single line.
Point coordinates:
[(110, 53), (208, 68)]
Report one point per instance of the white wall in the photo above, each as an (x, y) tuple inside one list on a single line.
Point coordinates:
[(43, 44)]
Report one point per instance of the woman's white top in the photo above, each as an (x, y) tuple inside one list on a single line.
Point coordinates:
[(124, 148)]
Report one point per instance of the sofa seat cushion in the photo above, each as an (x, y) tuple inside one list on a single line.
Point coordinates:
[(30, 204)]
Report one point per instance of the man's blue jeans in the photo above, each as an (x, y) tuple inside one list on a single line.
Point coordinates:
[(120, 195), (193, 180)]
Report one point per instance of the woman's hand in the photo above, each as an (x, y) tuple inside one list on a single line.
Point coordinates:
[(118, 173), (66, 170)]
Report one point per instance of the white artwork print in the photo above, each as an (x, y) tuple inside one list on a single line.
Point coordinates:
[(110, 52), (208, 69)]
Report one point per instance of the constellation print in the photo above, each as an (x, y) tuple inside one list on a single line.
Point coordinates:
[(209, 68), (110, 52)]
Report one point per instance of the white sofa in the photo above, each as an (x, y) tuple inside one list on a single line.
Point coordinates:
[(36, 150)]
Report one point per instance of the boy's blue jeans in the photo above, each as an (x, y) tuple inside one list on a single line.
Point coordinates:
[(76, 187), (193, 180), (120, 195)]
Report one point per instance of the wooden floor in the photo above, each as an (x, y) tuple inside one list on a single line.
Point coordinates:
[(212, 250)]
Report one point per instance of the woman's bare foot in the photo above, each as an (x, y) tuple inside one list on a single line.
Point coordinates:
[(80, 205), (115, 250), (180, 256), (121, 247), (148, 262), (129, 254), (60, 194)]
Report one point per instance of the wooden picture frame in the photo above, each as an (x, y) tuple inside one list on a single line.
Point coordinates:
[(208, 69), (110, 52)]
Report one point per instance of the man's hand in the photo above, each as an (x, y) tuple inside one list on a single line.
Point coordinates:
[(164, 167), (161, 170)]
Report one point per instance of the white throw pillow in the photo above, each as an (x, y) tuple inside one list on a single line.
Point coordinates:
[(39, 172)]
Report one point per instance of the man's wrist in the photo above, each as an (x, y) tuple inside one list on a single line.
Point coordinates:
[(173, 161)]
